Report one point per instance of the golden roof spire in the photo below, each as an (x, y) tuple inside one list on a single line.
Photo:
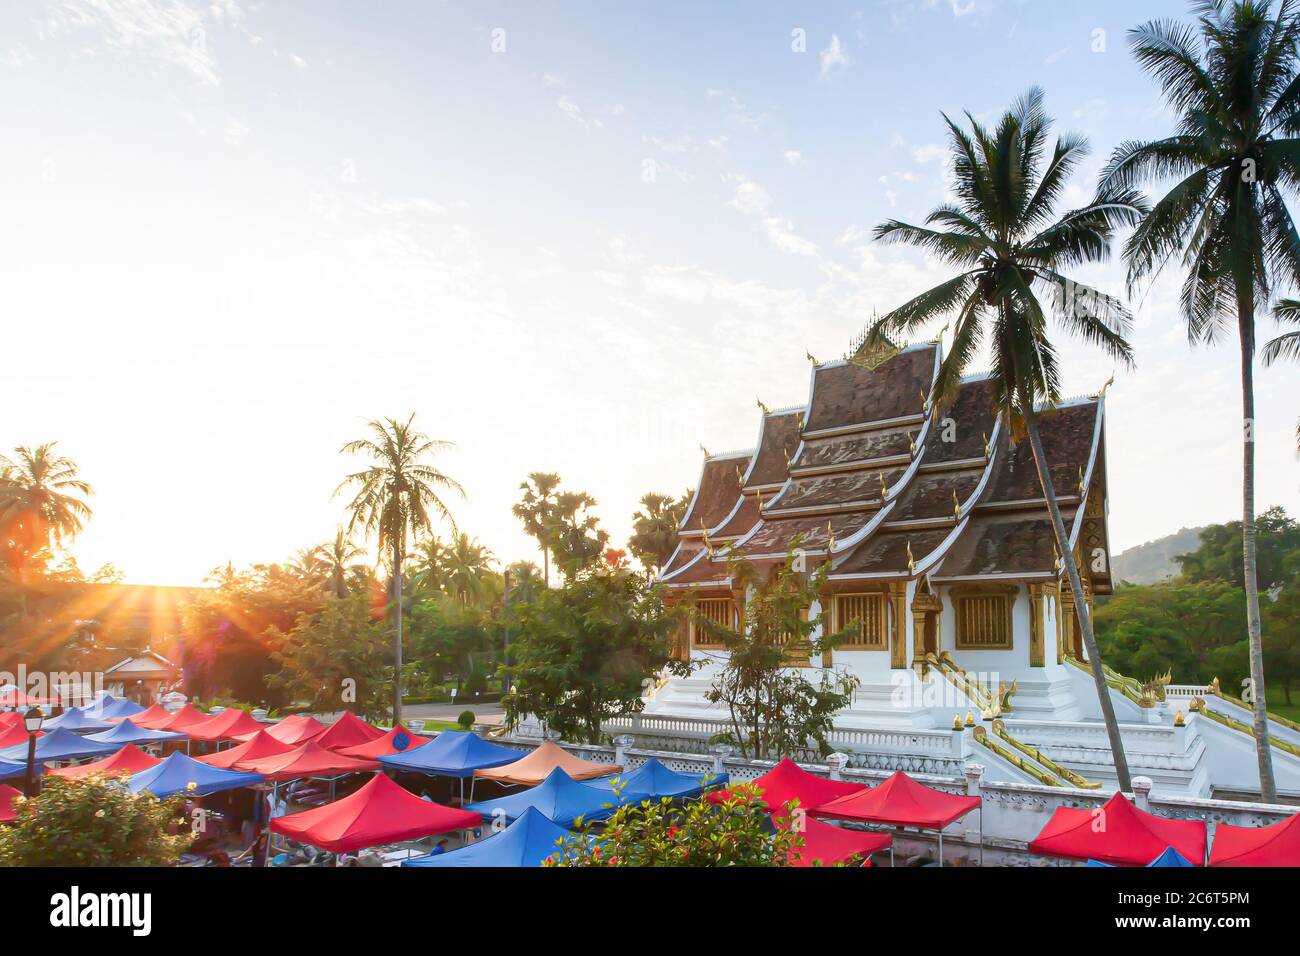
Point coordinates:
[(956, 505), (911, 562), (1109, 382), (703, 449), (762, 406), (809, 357), (884, 489), (830, 537)]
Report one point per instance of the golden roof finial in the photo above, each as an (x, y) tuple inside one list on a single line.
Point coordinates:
[(1109, 382), (911, 562), (1082, 484), (787, 458), (988, 448), (956, 505), (761, 405), (740, 477), (703, 449), (884, 489), (911, 443), (939, 338), (830, 537), (809, 357), (760, 499), (925, 402)]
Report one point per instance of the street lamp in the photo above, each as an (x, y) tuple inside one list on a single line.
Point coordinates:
[(32, 720)]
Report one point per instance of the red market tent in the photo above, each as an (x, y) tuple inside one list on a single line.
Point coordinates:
[(294, 730), (903, 802), (1277, 844), (14, 735), (380, 812), (308, 760), (827, 845), (7, 812), (227, 725), (536, 766), (151, 717), (130, 759), (179, 722), (396, 741), (16, 698), (258, 747), (348, 731), (1118, 833), (788, 781)]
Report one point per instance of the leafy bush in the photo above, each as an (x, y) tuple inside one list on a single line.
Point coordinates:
[(466, 719), (93, 822)]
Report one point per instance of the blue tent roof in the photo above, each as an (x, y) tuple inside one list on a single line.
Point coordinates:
[(561, 799), (76, 720), (1169, 858), (59, 744), (453, 753), (128, 733), (525, 843), (656, 780), (175, 774), (9, 770), (111, 709)]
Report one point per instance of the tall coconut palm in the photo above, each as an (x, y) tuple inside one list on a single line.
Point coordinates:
[(654, 529), (1286, 345), (469, 570), (1232, 79), (42, 506), (429, 566), (537, 512), (342, 564), (397, 499), (1003, 234)]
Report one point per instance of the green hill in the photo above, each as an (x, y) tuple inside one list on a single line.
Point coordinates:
[(1154, 561)]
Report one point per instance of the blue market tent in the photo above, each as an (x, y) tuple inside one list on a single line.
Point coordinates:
[(128, 733), (10, 770), (1169, 858), (176, 773), (453, 753), (60, 744), (525, 843), (656, 780), (76, 720), (560, 799), (113, 709)]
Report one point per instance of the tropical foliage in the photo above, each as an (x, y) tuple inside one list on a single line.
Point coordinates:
[(654, 529)]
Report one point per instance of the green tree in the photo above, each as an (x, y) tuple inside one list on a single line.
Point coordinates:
[(1004, 236), (654, 530), (574, 534), (1232, 81), (470, 576), (397, 499), (94, 822), (1219, 556), (537, 510), (1282, 643), (1287, 345), (453, 637)]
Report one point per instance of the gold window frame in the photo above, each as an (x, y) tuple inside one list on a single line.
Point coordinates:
[(699, 639), (988, 611), (874, 602)]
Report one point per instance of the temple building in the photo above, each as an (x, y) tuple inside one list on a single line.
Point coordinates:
[(940, 544)]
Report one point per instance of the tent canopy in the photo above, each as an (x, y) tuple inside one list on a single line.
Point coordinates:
[(178, 771), (655, 780), (1171, 858), (7, 812), (525, 843), (118, 709), (537, 766), (788, 781), (15, 734), (128, 733), (901, 801), (130, 759), (228, 724), (78, 721), (10, 770), (1119, 833), (560, 799), (1277, 844), (16, 698), (348, 731), (260, 746), (396, 741), (152, 716), (59, 744), (453, 753), (308, 760), (380, 812), (293, 731), (180, 722), (826, 845)]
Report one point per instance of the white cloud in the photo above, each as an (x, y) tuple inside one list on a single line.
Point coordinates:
[(551, 80), (928, 153), (1094, 109), (298, 62), (1056, 55), (794, 157), (750, 198), (574, 112), (781, 232), (833, 56)]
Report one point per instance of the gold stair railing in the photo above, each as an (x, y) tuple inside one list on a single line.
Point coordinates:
[(1065, 773), (1037, 771), (1130, 688), (1217, 691), (1198, 706), (992, 702)]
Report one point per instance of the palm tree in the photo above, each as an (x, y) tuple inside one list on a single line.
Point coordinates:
[(342, 563), (1237, 94), (1286, 345), (41, 505), (397, 499), (654, 530), (429, 566), (537, 512), (1004, 237), (469, 570)]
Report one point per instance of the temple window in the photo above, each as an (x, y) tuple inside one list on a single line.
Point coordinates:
[(983, 617), (720, 611), (870, 610)]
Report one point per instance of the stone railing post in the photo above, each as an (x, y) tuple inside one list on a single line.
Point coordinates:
[(837, 762), (621, 743), (720, 753), (974, 822), (1142, 792)]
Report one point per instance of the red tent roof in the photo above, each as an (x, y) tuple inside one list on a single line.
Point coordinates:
[(828, 845), (16, 698), (152, 716), (7, 812), (130, 759), (294, 730), (180, 722), (14, 735), (260, 746), (384, 746), (380, 812), (902, 801), (788, 781), (1118, 833), (348, 731), (1277, 844), (308, 760), (227, 725)]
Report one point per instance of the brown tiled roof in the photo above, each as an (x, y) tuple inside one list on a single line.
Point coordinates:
[(844, 488), (847, 394), (930, 495), (717, 494), (862, 446), (690, 547), (704, 571), (780, 438), (1067, 441), (972, 419), (1003, 543), (886, 551), (774, 537), (743, 520)]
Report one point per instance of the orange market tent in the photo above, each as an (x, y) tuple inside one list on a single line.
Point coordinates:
[(788, 781), (380, 812), (1277, 844), (1118, 833), (308, 760), (227, 725), (294, 730), (348, 731), (396, 741), (7, 812), (130, 759), (260, 746), (537, 766)]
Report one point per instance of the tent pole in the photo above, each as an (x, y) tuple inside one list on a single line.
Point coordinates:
[(941, 848)]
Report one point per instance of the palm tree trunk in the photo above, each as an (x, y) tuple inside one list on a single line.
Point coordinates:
[(1080, 603), (1263, 752), (397, 643)]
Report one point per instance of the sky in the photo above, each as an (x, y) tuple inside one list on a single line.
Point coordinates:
[(572, 237)]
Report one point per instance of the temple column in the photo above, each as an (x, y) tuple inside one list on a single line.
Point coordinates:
[(1036, 623), (898, 625)]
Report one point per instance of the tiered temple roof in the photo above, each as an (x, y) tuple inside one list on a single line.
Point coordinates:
[(866, 475)]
